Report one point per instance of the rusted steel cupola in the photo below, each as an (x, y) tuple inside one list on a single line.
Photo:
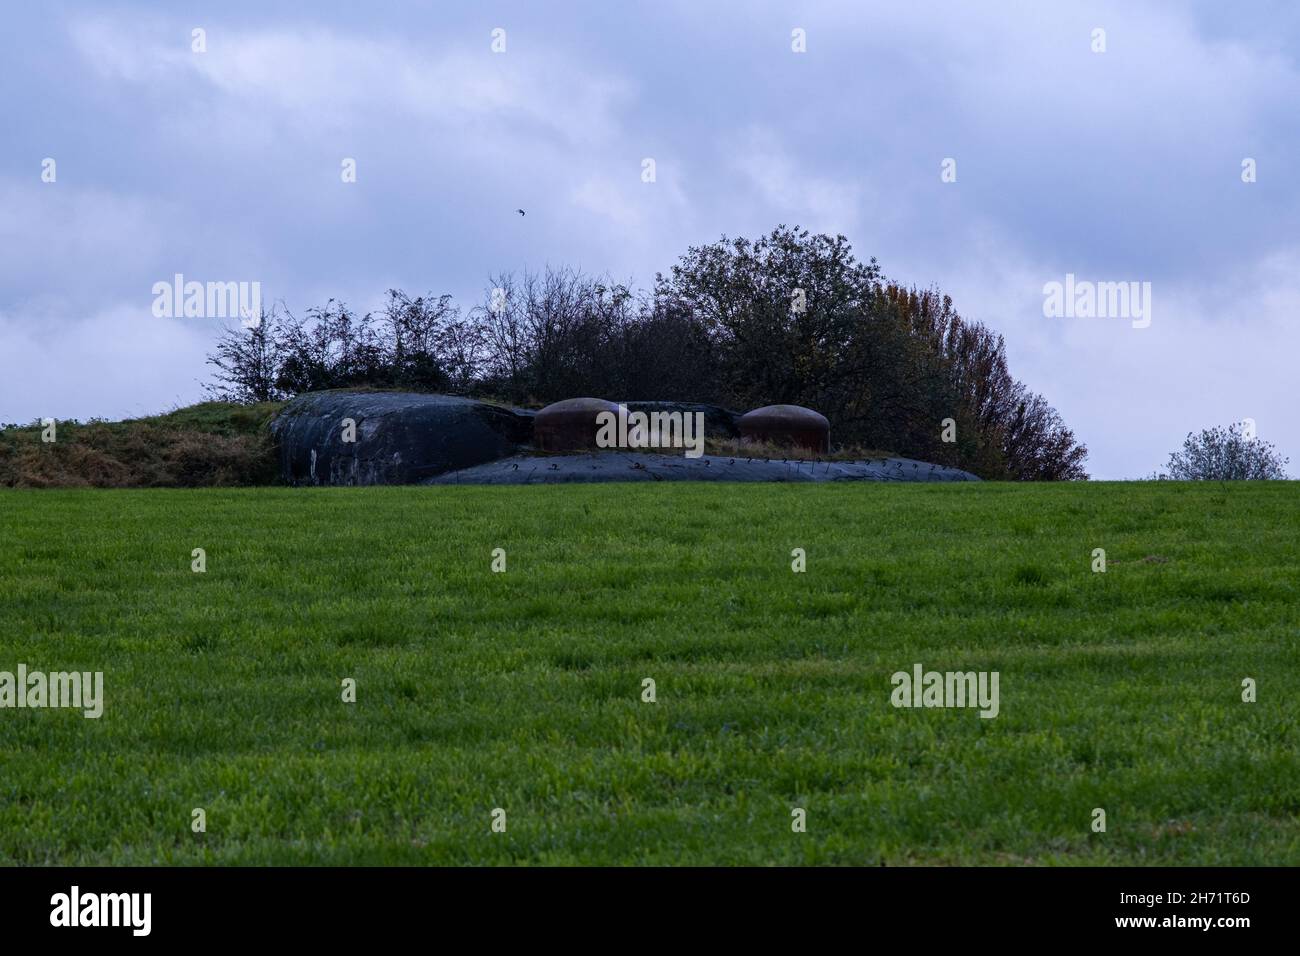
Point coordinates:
[(787, 425), (570, 424)]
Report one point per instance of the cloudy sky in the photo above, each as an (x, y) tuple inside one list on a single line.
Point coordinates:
[(225, 165)]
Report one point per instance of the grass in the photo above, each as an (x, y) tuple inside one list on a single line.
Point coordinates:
[(522, 690), (204, 445), (749, 448)]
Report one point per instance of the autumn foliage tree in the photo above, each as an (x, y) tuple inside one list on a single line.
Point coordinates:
[(797, 319)]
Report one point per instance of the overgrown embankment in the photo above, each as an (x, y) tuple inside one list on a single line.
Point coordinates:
[(211, 444)]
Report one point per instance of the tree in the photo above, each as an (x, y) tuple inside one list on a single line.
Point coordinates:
[(331, 347), (557, 334), (1225, 454), (425, 345), (247, 362), (796, 319), (784, 311)]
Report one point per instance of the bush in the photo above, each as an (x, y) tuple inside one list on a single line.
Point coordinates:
[(1225, 454)]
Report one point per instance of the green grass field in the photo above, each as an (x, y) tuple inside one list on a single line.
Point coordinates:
[(522, 690)]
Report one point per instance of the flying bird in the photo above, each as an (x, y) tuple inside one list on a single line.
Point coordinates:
[(521, 212)]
